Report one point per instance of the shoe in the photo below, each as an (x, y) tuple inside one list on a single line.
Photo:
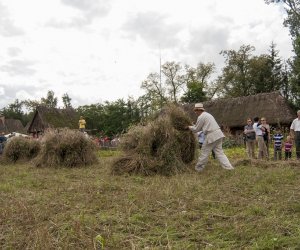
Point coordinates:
[(199, 168), (228, 167)]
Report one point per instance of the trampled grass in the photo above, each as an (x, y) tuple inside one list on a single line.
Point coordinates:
[(256, 206)]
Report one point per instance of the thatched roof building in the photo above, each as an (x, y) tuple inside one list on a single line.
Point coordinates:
[(233, 112), (45, 118), (11, 125)]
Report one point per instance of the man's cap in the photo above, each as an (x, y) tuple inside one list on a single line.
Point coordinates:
[(199, 106)]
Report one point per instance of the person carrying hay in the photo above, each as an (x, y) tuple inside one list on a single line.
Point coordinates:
[(213, 140)]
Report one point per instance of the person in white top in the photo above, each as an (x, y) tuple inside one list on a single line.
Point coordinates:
[(295, 133), (262, 148), (213, 138)]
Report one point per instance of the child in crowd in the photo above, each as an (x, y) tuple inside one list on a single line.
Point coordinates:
[(288, 147), (277, 138)]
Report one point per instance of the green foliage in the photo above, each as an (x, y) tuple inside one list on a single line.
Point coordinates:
[(292, 21), (50, 101), (15, 111), (111, 118), (194, 94), (66, 101), (174, 79)]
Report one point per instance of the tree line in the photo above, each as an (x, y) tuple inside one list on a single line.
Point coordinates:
[(243, 74)]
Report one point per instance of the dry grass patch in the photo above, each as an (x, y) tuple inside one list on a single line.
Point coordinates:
[(80, 208)]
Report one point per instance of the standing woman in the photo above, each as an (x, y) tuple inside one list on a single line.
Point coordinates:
[(266, 132)]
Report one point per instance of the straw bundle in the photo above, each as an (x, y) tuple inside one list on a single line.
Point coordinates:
[(163, 146), (66, 148)]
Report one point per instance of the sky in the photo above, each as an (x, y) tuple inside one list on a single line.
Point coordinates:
[(102, 50)]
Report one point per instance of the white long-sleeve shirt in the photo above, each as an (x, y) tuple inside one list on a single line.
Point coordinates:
[(207, 123), (295, 125)]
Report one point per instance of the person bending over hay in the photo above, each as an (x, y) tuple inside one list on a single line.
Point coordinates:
[(164, 146)]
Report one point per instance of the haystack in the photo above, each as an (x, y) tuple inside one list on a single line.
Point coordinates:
[(164, 146), (21, 148), (66, 148)]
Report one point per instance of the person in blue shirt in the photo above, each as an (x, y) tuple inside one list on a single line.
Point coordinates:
[(277, 138), (3, 139)]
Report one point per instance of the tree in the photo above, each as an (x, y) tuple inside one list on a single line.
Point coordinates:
[(196, 80), (13, 110), (174, 80), (292, 21), (93, 115), (119, 115), (111, 118), (275, 64), (235, 80), (155, 90), (259, 75), (31, 105), (50, 101), (295, 74), (66, 101)]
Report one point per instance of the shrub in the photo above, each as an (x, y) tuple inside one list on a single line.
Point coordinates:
[(21, 148), (66, 148)]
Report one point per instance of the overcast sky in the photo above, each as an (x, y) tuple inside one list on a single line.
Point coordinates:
[(98, 50)]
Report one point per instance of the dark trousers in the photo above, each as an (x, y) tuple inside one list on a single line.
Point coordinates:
[(287, 155), (297, 142)]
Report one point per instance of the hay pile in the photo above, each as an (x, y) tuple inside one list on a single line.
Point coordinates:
[(66, 148), (163, 146), (21, 148)]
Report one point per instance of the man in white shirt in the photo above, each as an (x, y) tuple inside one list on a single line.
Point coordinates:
[(262, 148), (295, 133), (213, 138)]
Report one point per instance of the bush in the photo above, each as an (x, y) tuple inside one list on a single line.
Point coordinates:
[(66, 148), (21, 148)]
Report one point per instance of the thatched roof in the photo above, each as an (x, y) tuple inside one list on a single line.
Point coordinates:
[(233, 112), (11, 125), (53, 118)]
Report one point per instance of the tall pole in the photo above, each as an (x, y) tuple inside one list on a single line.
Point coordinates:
[(160, 76)]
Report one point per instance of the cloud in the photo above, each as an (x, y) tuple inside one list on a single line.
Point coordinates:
[(14, 51), (12, 92), (7, 27), (18, 67), (215, 39), (2, 91), (87, 11), (154, 29)]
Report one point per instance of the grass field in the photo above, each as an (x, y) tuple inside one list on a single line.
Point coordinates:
[(256, 206)]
